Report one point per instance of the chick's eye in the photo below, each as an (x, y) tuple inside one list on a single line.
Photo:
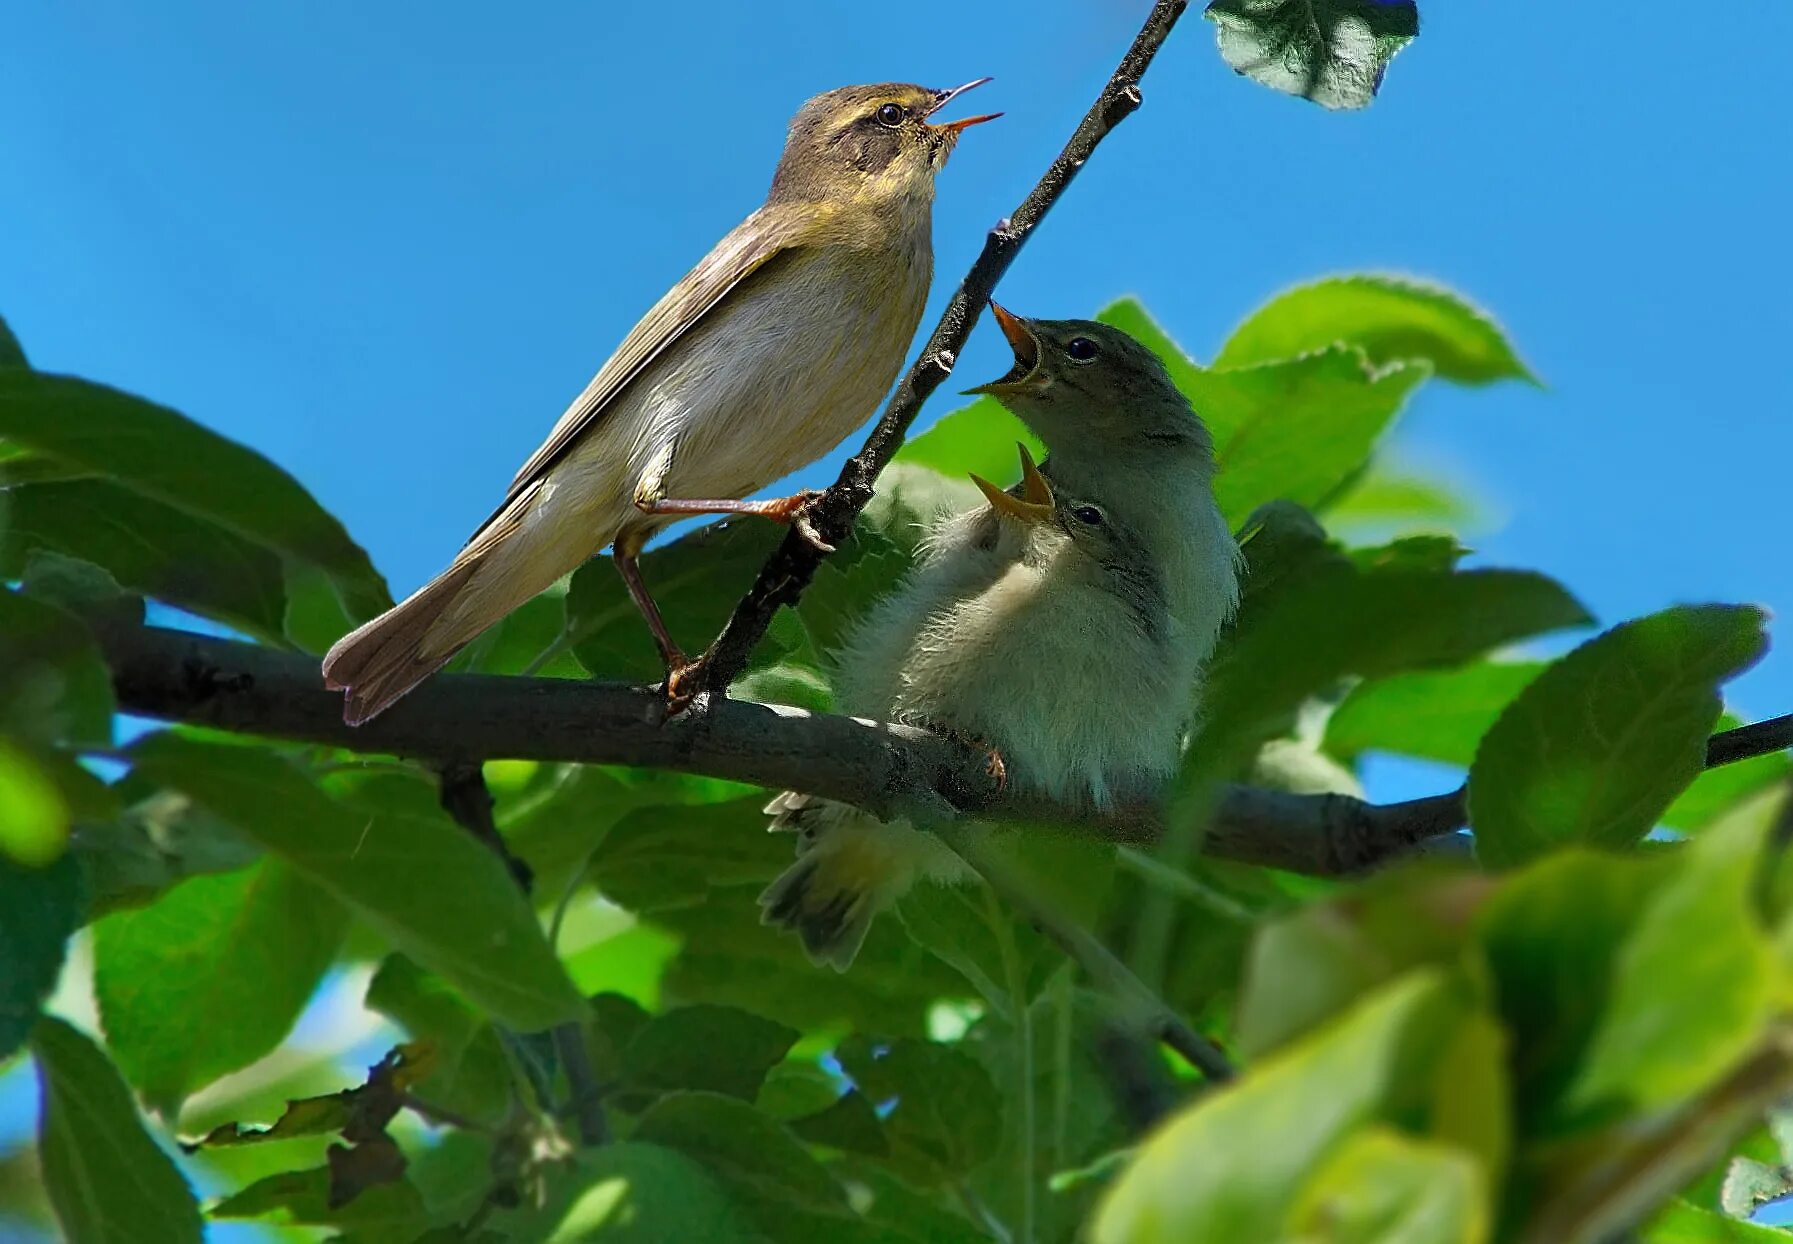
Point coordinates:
[(892, 115), (1088, 514), (1081, 349)]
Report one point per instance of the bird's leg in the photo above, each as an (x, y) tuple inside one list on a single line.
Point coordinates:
[(630, 570), (792, 509)]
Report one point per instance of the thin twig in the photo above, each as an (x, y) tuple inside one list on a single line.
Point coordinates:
[(1145, 1009), (795, 561)]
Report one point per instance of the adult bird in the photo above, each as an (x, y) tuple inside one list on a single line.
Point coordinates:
[(759, 361), (1063, 626)]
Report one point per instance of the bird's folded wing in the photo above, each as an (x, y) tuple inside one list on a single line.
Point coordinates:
[(768, 233)]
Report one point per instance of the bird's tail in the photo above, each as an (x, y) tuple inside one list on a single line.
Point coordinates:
[(502, 567), (844, 875)]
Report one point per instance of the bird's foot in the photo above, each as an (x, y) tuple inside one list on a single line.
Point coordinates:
[(684, 679), (795, 510), (994, 766)]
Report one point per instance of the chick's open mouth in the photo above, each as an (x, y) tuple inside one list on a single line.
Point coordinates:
[(1022, 341)]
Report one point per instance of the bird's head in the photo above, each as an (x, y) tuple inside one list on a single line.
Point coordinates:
[(870, 143), (1094, 394)]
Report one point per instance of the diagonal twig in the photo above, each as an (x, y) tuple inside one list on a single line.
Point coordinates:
[(788, 572)]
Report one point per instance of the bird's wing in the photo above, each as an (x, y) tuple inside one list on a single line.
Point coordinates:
[(770, 232)]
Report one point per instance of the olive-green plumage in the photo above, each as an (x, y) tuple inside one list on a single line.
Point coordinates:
[(760, 360)]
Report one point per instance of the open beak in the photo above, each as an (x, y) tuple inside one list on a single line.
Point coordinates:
[(1034, 505), (1027, 354), (943, 98)]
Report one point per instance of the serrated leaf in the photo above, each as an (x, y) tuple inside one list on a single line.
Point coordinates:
[(1600, 743), (1293, 430), (54, 684), (151, 548), (165, 456), (1333, 52), (1390, 318), (40, 909), (1432, 714), (394, 1209), (108, 1181), (211, 976), (392, 870)]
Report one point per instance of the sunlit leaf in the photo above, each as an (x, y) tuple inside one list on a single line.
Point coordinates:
[(1333, 52), (1381, 1187), (978, 438)]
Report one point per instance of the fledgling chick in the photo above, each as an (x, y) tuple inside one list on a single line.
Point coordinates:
[(760, 360), (1064, 625)]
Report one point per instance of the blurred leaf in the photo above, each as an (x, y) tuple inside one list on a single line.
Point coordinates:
[(942, 1114), (1390, 318), (850, 1123), (1750, 1184), (1381, 1187), (315, 617), (764, 1168), (40, 909), (361, 1113), (719, 1049), (1717, 791), (53, 682), (1380, 494), (1228, 1168), (393, 871), (149, 547), (166, 456), (1310, 617), (34, 816), (303, 1198), (211, 976), (109, 1182), (1682, 1223), (672, 856), (849, 583), (1433, 714), (1600, 743), (645, 1194), (1307, 966), (468, 1073), (1333, 52), (159, 837), (696, 579), (520, 637), (12, 354), (979, 438)]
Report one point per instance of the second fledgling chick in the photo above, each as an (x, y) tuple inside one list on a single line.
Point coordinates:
[(1064, 627)]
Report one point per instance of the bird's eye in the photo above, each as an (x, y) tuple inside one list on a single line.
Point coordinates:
[(1088, 513), (892, 115), (1081, 350)]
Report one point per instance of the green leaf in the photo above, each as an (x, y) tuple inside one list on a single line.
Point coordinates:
[(40, 909), (12, 354), (1390, 318), (108, 1180), (54, 684), (1311, 617), (394, 1210), (167, 457), (34, 816), (719, 1049), (512, 645), (979, 438), (867, 568), (423, 884), (1600, 743), (1333, 52), (1433, 714), (1682, 1223), (1228, 1168), (646, 1194), (946, 1118), (696, 580), (468, 1071), (1383, 495), (211, 976), (1295, 430), (1381, 1187), (150, 548)]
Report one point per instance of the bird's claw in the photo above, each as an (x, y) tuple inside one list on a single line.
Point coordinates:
[(795, 511), (995, 768), (683, 682)]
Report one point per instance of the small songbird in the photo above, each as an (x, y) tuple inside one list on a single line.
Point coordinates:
[(759, 361), (1063, 626)]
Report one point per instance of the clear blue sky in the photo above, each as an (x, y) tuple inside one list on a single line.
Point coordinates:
[(385, 243)]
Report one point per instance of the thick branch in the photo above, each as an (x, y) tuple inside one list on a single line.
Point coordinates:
[(794, 563), (886, 769)]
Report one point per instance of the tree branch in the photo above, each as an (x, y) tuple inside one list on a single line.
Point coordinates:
[(889, 770), (795, 561)]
